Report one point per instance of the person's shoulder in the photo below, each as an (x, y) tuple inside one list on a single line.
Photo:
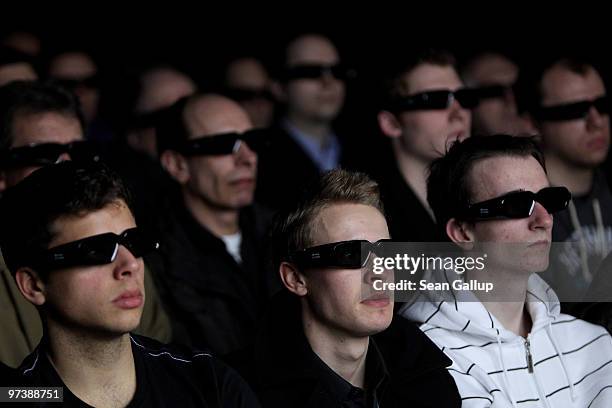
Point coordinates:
[(202, 368), (173, 354)]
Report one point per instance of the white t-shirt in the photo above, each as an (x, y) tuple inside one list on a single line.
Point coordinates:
[(232, 244)]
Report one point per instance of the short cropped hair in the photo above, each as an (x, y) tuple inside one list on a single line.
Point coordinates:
[(31, 97), (294, 230), (28, 210), (529, 90), (448, 186), (394, 86)]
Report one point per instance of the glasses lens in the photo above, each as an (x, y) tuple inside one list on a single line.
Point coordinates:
[(348, 255), (569, 111), (467, 98), (554, 199), (602, 105), (489, 92), (305, 72), (211, 145), (38, 155), (138, 243), (518, 205), (97, 250)]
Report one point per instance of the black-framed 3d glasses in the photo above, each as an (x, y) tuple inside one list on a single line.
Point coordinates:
[(492, 91), (226, 143), (96, 250), (574, 110), (317, 71), (519, 204), (435, 100), (44, 154), (352, 254)]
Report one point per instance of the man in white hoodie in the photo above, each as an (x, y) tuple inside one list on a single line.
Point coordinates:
[(517, 350)]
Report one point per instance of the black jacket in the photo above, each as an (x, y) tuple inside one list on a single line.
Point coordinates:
[(213, 301), (7, 375), (165, 377), (408, 219), (403, 368)]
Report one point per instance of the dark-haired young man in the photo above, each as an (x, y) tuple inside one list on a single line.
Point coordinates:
[(71, 242), (510, 346), (425, 108), (326, 342), (41, 124)]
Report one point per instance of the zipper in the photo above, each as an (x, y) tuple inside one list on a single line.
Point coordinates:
[(528, 356)]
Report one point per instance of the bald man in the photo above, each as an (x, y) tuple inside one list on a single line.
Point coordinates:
[(305, 144), (248, 83), (213, 247), (160, 87)]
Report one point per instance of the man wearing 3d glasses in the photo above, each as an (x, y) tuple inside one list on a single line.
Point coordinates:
[(511, 346), (214, 280), (425, 107), (71, 242), (493, 75), (305, 142), (570, 107), (42, 124), (327, 340)]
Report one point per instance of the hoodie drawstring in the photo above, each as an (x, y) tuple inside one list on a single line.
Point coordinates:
[(562, 359), (601, 234), (500, 355)]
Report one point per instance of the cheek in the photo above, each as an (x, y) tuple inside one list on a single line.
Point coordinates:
[(301, 92), (74, 291), (563, 135)]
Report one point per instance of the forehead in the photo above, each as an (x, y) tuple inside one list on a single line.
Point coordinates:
[(115, 217), (73, 63), (311, 50), (214, 115), (47, 127), (425, 77), (560, 84), (247, 72), (492, 69), (343, 222), (495, 176)]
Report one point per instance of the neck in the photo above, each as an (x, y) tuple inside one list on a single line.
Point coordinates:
[(342, 353), (219, 221), (576, 178), (510, 287), (98, 370), (317, 130), (414, 171)]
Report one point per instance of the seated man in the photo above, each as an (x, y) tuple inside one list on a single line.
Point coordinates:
[(70, 239), (325, 343), (41, 124), (510, 346), (214, 279)]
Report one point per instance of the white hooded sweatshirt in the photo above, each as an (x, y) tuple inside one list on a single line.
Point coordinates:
[(564, 362)]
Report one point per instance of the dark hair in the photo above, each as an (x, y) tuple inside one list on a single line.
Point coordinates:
[(529, 85), (448, 186), (293, 230), (393, 85), (33, 97), (28, 209)]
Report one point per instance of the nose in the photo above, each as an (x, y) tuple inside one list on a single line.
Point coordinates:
[(595, 120), (126, 265), (541, 218), (64, 157), (245, 155), (458, 112)]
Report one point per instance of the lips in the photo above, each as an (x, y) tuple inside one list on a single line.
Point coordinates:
[(597, 143), (130, 299), (377, 301)]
